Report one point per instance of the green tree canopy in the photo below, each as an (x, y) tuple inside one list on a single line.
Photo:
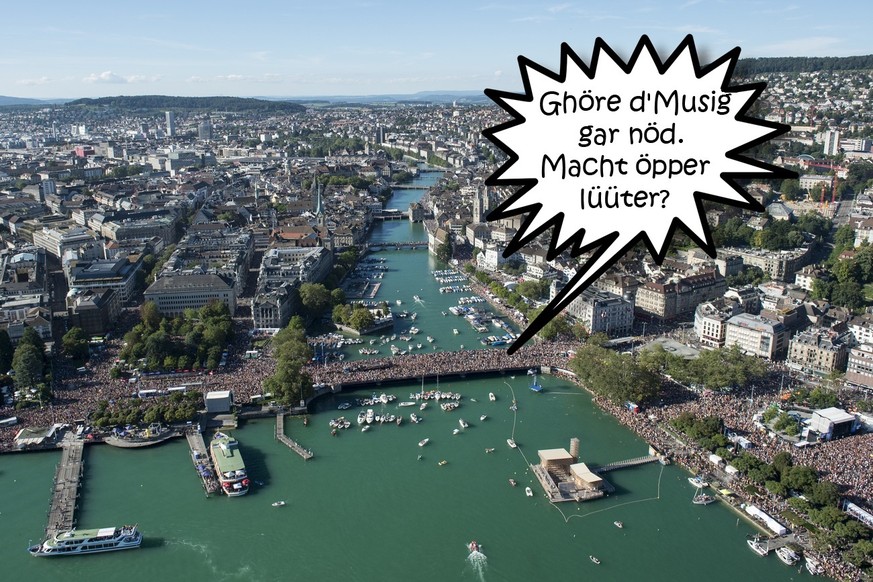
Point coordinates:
[(75, 343)]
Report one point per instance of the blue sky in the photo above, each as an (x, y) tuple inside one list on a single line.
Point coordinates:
[(55, 49)]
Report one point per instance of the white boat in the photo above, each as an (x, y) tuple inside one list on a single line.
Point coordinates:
[(399, 302), (456, 431), (618, 524), (594, 559), (528, 491), (344, 406), (406, 403), (278, 504), (491, 396), (370, 416), (511, 443), (483, 417), (702, 499), (463, 423), (88, 541), (423, 406), (812, 566), (423, 442), (362, 417), (455, 331), (698, 482), (787, 555), (414, 418), (365, 428), (757, 546)]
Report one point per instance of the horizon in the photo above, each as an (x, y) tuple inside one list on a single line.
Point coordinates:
[(378, 48)]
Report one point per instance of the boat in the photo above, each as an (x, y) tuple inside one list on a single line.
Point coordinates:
[(463, 423), (423, 406), (618, 524), (511, 443), (229, 465), (483, 417), (414, 418), (455, 331), (491, 396), (443, 462), (788, 556), (423, 442), (513, 482), (456, 431), (698, 482), (528, 491), (362, 417), (473, 546), (399, 302), (365, 428), (594, 559), (134, 438), (406, 403), (757, 546), (278, 504), (344, 406), (370, 416), (702, 499), (88, 541), (416, 298), (490, 450), (812, 566)]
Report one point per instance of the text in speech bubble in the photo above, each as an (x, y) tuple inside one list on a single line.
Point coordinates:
[(615, 153)]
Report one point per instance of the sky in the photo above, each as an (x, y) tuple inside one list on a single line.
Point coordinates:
[(286, 48)]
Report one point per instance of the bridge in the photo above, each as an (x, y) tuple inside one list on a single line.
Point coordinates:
[(65, 492), (291, 444), (627, 463), (396, 245), (410, 187)]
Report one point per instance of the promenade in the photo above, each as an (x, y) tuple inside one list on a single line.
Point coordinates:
[(65, 492)]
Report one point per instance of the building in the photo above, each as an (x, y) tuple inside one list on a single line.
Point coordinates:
[(779, 265), (218, 401), (817, 351), (96, 312), (59, 240), (173, 295), (599, 311), (831, 140), (756, 335), (859, 366), (118, 274), (678, 298), (584, 478), (710, 321), (831, 423), (171, 123)]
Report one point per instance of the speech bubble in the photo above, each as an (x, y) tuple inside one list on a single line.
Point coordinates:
[(616, 153)]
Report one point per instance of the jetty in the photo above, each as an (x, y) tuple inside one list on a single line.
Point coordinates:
[(65, 493), (291, 444), (627, 463), (202, 462)]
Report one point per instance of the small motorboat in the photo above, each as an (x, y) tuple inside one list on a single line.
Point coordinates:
[(511, 443), (456, 431), (491, 396), (594, 559), (513, 482), (787, 556), (618, 524), (528, 491), (423, 442), (278, 504), (483, 417), (443, 462), (473, 546), (698, 481), (489, 450)]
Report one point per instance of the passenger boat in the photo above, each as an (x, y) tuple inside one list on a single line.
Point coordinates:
[(138, 438), (88, 541), (278, 504), (528, 491), (787, 555), (229, 465), (423, 442), (491, 396), (618, 524), (698, 482), (511, 443), (757, 546), (594, 559), (473, 546)]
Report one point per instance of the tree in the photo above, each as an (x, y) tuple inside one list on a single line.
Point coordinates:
[(444, 249), (75, 343), (791, 190), (800, 478), (31, 337), (150, 315), (361, 319), (823, 494), (28, 364), (315, 297)]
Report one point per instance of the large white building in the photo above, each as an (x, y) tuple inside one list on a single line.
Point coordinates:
[(756, 335), (173, 295), (600, 311), (710, 321)]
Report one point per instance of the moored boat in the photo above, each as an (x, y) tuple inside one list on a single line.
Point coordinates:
[(812, 566), (787, 555), (511, 443), (229, 465), (698, 481), (528, 491), (702, 499), (492, 397), (423, 442), (88, 541), (757, 547)]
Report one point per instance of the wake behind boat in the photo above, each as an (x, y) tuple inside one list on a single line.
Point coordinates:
[(88, 541)]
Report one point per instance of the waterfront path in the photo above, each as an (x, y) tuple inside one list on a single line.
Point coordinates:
[(201, 460), (291, 444), (65, 493)]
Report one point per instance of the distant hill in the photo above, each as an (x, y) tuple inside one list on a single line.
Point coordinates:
[(13, 101), (164, 102), (466, 97), (802, 64)]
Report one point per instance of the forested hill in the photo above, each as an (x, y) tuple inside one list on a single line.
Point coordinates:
[(164, 102), (747, 67)]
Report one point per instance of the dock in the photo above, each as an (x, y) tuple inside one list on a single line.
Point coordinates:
[(65, 493), (202, 461), (291, 444), (627, 463)]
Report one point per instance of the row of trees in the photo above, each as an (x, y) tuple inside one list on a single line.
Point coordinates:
[(778, 235), (614, 376), (289, 383), (849, 275), (721, 369), (175, 408), (194, 340), (31, 366)]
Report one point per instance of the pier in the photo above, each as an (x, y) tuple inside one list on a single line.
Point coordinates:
[(627, 463), (202, 461), (62, 513), (291, 444)]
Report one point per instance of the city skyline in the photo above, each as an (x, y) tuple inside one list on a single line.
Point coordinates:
[(266, 48)]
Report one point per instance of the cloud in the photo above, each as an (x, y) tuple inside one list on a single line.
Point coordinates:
[(111, 78), (40, 81)]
